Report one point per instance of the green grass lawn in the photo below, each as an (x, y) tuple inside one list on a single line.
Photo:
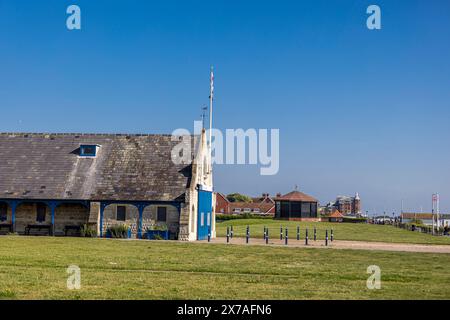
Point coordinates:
[(35, 268), (342, 231)]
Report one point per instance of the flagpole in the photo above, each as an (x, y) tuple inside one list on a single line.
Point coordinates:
[(211, 94)]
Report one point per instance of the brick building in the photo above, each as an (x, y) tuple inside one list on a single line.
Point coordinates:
[(348, 206), (222, 204), (263, 205), (252, 208), (55, 183)]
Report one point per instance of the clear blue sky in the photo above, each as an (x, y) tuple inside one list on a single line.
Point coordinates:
[(357, 110)]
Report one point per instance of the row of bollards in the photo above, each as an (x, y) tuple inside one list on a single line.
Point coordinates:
[(284, 234)]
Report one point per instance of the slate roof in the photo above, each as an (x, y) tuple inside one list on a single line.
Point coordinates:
[(127, 167)]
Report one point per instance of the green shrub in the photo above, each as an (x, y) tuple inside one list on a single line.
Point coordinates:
[(118, 231), (237, 197), (157, 237), (158, 227), (88, 231), (354, 220)]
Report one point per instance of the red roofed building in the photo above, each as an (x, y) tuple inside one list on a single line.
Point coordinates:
[(222, 203), (261, 208), (264, 205), (336, 216), (296, 205)]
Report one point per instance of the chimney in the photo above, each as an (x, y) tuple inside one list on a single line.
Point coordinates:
[(278, 195)]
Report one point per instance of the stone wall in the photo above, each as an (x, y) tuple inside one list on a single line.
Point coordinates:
[(188, 217), (149, 218), (26, 214), (69, 215), (65, 215)]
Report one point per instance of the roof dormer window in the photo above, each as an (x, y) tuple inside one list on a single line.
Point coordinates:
[(88, 150)]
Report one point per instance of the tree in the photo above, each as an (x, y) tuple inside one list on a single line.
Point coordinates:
[(237, 197)]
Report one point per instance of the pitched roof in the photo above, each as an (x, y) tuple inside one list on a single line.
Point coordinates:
[(224, 197), (262, 206), (127, 167), (336, 214), (266, 199), (296, 196)]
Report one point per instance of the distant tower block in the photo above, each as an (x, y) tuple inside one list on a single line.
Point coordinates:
[(357, 204)]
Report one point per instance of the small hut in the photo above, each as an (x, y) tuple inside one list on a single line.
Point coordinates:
[(296, 206), (336, 216)]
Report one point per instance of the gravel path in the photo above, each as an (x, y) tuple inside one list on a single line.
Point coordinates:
[(341, 244)]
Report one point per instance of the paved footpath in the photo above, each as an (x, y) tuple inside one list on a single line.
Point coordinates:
[(341, 244)]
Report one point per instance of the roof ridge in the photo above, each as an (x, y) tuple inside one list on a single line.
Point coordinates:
[(87, 134)]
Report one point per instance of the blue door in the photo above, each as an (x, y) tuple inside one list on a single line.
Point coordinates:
[(204, 214)]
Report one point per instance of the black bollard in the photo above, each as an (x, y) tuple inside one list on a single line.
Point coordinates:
[(231, 233), (247, 235), (281, 233), (264, 235), (267, 236), (228, 234), (315, 234), (209, 235), (306, 237), (326, 238), (286, 237), (331, 235), (298, 233)]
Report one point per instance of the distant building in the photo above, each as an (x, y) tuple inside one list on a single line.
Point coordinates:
[(426, 218), (263, 205), (296, 206), (252, 208), (336, 217), (348, 206), (222, 204)]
